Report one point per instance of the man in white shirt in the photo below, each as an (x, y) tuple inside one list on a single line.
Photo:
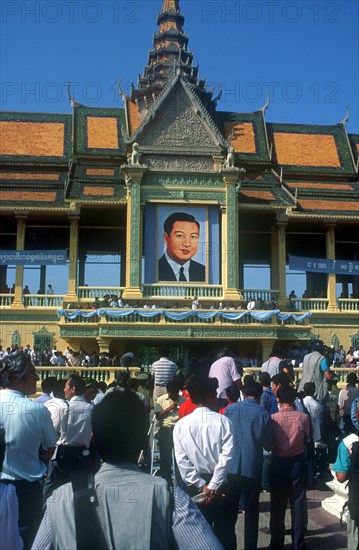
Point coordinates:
[(72, 450), (203, 444)]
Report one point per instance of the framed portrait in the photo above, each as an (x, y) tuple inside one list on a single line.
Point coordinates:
[(180, 243)]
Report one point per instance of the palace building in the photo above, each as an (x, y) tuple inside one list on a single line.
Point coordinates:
[(102, 183)]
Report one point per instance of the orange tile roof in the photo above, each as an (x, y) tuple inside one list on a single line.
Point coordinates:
[(243, 140), (39, 139), (133, 117), (306, 149), (102, 133), (100, 172), (28, 176), (264, 195), (169, 5), (358, 147), (320, 185), (97, 191), (329, 205), (27, 196)]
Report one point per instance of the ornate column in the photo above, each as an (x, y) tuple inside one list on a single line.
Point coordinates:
[(20, 245), (133, 175), (332, 279), (281, 259), (73, 258), (230, 255)]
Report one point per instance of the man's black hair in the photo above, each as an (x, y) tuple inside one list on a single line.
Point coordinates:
[(119, 426), (48, 384), (75, 381), (309, 389), (253, 389), (286, 395), (224, 352), (200, 388), (264, 379), (14, 366), (2, 446), (352, 378), (172, 386), (281, 379), (233, 393), (178, 217), (58, 389)]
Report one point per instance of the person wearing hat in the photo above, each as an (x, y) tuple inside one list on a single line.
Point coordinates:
[(346, 467), (316, 369)]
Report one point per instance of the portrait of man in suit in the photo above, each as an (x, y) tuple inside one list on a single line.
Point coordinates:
[(181, 237)]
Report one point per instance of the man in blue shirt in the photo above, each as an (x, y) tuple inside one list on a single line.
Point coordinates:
[(252, 430)]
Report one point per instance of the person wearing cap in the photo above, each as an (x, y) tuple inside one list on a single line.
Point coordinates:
[(346, 467), (252, 431), (316, 369)]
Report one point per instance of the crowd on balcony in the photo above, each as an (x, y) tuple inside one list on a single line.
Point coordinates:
[(219, 466)]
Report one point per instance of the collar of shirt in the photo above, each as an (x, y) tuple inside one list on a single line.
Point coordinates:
[(78, 398), (176, 267), (8, 391)]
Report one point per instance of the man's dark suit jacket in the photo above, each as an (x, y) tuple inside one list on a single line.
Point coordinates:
[(197, 271)]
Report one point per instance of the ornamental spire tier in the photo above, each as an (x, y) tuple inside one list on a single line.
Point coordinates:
[(169, 57)]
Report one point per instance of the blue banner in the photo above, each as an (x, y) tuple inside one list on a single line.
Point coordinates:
[(260, 316), (33, 257), (321, 265)]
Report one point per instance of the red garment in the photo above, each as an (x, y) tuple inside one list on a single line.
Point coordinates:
[(221, 411), (186, 408)]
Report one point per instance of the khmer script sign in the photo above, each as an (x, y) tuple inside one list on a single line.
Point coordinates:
[(33, 257), (322, 265)]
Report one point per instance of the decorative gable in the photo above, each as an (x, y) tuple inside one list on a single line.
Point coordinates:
[(179, 124)]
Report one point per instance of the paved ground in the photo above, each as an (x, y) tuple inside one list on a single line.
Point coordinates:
[(324, 530)]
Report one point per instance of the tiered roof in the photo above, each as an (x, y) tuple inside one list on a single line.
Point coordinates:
[(54, 160)]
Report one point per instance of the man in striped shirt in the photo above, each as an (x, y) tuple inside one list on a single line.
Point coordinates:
[(163, 371)]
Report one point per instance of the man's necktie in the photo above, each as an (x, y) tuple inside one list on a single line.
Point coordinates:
[(182, 276)]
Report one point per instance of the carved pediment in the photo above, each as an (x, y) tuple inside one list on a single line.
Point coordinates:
[(179, 124)]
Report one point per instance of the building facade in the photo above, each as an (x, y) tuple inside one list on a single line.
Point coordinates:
[(103, 181)]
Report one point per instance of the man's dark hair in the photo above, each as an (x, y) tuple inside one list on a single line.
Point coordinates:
[(201, 387), (58, 389), (352, 378), (253, 389), (48, 384), (178, 217), (133, 384), (233, 393), (224, 352), (172, 386), (286, 395), (75, 381), (119, 426), (309, 389), (163, 351), (276, 352), (281, 379), (2, 446), (264, 379), (14, 366)]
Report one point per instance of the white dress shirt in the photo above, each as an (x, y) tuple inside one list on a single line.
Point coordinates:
[(203, 444), (75, 424)]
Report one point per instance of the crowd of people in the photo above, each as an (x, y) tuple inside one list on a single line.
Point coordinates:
[(223, 438)]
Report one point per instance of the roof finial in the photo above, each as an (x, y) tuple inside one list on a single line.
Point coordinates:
[(72, 101), (346, 118), (266, 105)]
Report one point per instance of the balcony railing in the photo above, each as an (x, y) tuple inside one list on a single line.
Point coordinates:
[(348, 305), (108, 374), (34, 300), (311, 304), (91, 292)]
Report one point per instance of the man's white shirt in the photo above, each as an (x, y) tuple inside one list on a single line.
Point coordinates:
[(203, 444)]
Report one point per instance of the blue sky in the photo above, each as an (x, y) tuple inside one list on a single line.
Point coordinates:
[(304, 52)]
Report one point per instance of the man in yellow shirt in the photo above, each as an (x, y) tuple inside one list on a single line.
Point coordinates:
[(166, 411)]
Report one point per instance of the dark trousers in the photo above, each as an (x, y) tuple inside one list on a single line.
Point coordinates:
[(29, 495), (60, 469), (165, 439), (249, 489), (287, 482)]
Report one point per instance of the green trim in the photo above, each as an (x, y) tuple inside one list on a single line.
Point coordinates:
[(81, 114), (260, 138)]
